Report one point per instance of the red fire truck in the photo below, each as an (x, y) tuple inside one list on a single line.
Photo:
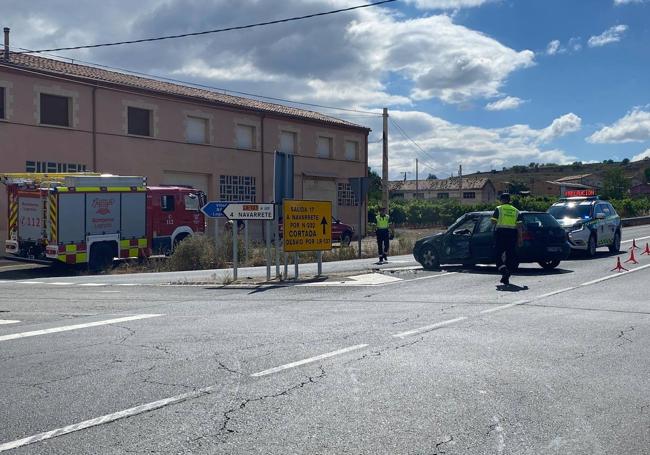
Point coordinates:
[(92, 218)]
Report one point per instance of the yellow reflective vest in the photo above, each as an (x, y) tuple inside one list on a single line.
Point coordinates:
[(382, 222), (507, 217)]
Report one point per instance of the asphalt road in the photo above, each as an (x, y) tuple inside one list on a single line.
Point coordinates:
[(399, 362)]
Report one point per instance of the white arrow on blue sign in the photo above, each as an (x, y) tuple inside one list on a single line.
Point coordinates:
[(214, 209), (249, 211)]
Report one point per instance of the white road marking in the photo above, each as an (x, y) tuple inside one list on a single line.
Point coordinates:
[(309, 360), (366, 279), (15, 336), (8, 321), (428, 328), (430, 276), (109, 418), (93, 284), (504, 307), (638, 238), (60, 283), (30, 282), (609, 277)]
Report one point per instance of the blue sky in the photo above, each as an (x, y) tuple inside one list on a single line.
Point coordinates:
[(482, 83)]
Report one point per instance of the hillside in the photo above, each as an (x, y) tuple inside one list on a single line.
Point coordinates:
[(535, 177)]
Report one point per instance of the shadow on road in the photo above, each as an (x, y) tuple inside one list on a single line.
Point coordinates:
[(492, 270), (511, 288)]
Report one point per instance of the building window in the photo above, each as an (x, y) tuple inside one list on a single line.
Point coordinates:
[(398, 196), (246, 137), (237, 188), (469, 195), (167, 203), (443, 195), (55, 110), (50, 166), (139, 121), (418, 195), (324, 147), (2, 102), (288, 142), (352, 150), (346, 195), (196, 130)]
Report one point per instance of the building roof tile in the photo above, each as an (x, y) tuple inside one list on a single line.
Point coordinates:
[(94, 75)]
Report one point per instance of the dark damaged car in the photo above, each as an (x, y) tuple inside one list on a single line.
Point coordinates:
[(470, 241)]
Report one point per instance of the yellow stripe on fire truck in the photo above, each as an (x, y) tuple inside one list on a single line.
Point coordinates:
[(13, 213), (52, 218)]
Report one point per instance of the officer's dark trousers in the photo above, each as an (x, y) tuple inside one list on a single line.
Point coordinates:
[(506, 242), (382, 242)]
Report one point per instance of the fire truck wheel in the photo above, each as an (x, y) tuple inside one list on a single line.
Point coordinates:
[(101, 257), (179, 238)]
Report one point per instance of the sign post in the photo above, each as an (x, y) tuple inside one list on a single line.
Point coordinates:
[(214, 209), (236, 211)]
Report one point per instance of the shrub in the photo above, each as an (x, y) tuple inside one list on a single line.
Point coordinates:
[(197, 252)]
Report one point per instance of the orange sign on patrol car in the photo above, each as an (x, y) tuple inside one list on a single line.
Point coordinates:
[(307, 225)]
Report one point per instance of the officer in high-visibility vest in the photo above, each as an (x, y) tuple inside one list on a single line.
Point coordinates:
[(505, 217), (382, 235)]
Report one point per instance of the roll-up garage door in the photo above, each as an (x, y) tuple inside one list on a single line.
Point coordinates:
[(321, 190)]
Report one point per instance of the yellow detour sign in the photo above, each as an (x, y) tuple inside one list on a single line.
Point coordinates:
[(307, 225)]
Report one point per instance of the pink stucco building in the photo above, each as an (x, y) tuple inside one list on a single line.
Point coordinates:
[(63, 117)]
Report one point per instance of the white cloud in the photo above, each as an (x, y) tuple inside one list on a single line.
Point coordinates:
[(642, 156), (509, 102), (627, 2), (611, 35), (633, 127), (446, 4), (447, 144), (553, 47)]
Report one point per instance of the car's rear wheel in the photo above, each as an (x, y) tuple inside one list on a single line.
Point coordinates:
[(549, 265), (615, 247), (430, 260), (591, 246)]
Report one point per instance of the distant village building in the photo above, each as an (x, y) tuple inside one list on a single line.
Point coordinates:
[(642, 189), (577, 182), (472, 190)]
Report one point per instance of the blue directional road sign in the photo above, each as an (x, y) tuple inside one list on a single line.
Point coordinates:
[(214, 209)]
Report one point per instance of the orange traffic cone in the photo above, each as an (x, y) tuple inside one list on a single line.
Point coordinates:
[(632, 258), (647, 249), (634, 247), (619, 267)]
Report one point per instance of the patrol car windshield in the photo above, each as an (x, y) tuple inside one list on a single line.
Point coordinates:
[(570, 210)]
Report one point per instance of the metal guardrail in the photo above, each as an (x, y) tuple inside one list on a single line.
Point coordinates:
[(636, 221)]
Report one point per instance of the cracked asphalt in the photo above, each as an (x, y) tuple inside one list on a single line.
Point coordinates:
[(556, 365)]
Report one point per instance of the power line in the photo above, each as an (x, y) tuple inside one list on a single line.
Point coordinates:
[(206, 32), (403, 133), (368, 114)]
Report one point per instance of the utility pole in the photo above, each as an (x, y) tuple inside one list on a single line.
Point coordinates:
[(384, 169), (460, 182), (417, 179)]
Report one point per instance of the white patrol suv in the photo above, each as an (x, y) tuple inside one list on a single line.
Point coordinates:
[(589, 223)]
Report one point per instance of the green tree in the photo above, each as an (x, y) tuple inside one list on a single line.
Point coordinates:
[(625, 161), (646, 173), (517, 186), (615, 184), (432, 177), (374, 186)]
